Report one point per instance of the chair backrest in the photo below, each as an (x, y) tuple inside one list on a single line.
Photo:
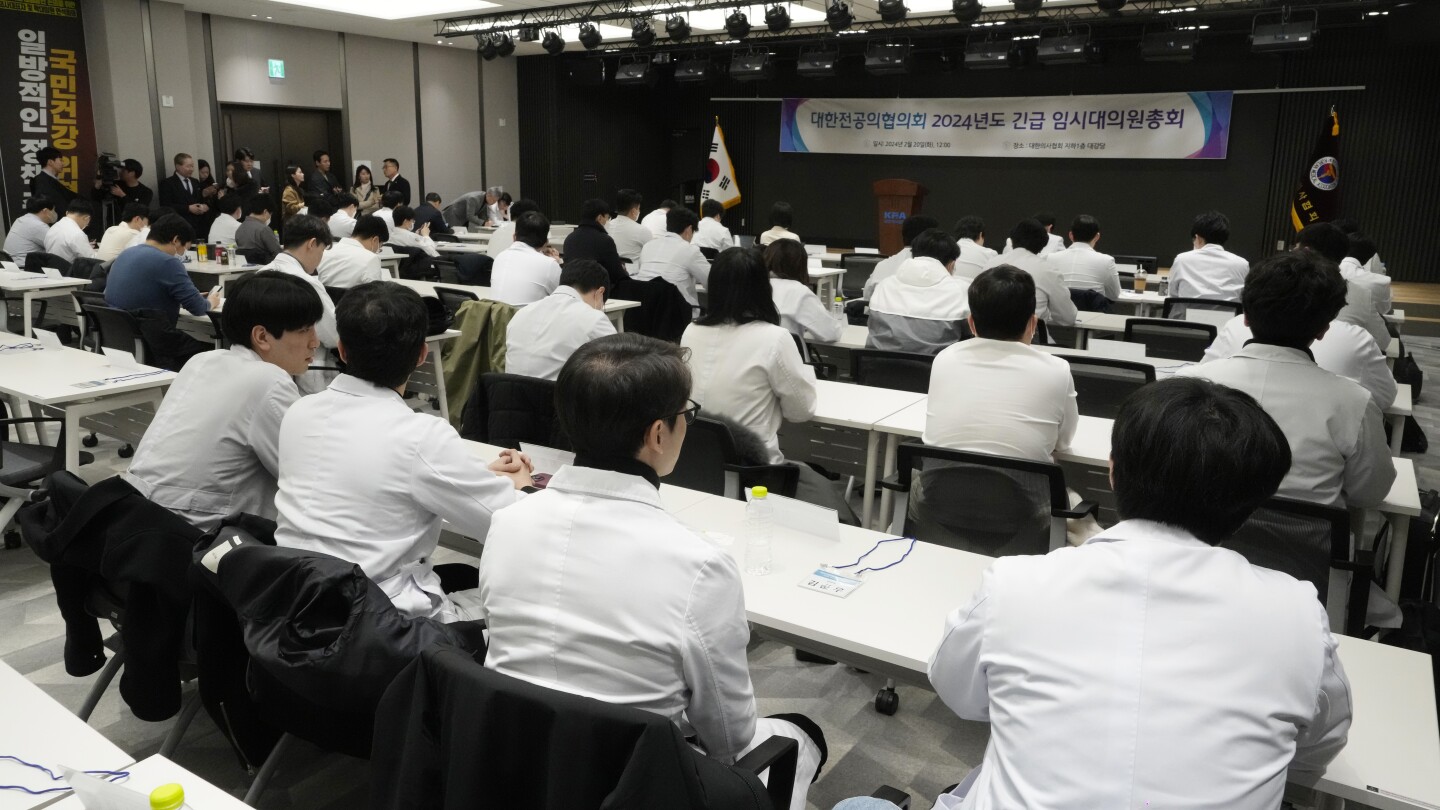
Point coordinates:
[(520, 409), (1102, 383), (336, 293), (453, 298), (709, 460), (39, 260), (1171, 339), (709, 253), (1145, 263), (256, 255), (1091, 301), (217, 322), (858, 269), (117, 328), (1177, 307), (902, 371), (977, 502)]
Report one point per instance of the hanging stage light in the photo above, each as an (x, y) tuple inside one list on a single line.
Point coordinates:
[(838, 16), (487, 47), (504, 44), (966, 11), (589, 36), (777, 19), (893, 11), (553, 43), (677, 28), (643, 33), (737, 25)]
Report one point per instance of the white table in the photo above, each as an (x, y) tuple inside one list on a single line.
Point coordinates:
[(826, 281), (36, 728), (32, 287), (614, 307), (1147, 304), (154, 771), (224, 273), (860, 407), (1397, 317), (471, 238), (390, 261)]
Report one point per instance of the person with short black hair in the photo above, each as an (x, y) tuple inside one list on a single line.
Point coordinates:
[(969, 231), (229, 210), (543, 335), (504, 235), (994, 393), (386, 212), (1052, 299), (306, 240), (1081, 266), (320, 183), (590, 240), (432, 213), (322, 211), (922, 308), (710, 233), (347, 209), (1329, 241), (150, 281), (128, 232), (394, 183), (1363, 304), (405, 235), (782, 217), (255, 239), (354, 260), (27, 233), (801, 310), (213, 448), (391, 476), (911, 228), (529, 269), (658, 220), (127, 187), (46, 182), (674, 256), (1209, 271), (239, 186), (1335, 429), (1243, 685), (630, 236), (246, 159), (66, 238), (666, 635)]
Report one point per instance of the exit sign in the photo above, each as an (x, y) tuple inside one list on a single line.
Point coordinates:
[(277, 68)]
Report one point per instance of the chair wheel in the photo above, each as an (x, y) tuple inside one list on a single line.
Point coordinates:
[(12, 541), (435, 404), (887, 702), (90, 441), (126, 452)]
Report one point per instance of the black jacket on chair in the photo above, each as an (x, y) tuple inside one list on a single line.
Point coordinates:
[(664, 313), (507, 409)]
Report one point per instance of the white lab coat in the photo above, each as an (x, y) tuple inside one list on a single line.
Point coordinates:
[(213, 448), (1339, 455), (679, 262), (751, 374), (1360, 310), (1379, 286), (974, 259), (405, 237), (1052, 297), (1053, 242), (366, 479), (349, 264), (523, 275), (341, 223), (711, 234), (502, 238), (387, 216), (1082, 267), (778, 232), (66, 240), (1209, 272), (325, 329), (543, 335), (630, 236), (802, 312), (1346, 350), (885, 269), (222, 230), (1001, 397), (1145, 668), (657, 222), (920, 309), (115, 239)]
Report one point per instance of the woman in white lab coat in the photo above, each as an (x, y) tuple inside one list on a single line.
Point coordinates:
[(801, 310)]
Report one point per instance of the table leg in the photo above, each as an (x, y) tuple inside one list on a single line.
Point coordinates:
[(872, 442), (29, 299), (439, 366), (72, 441), (1080, 336), (892, 447), (1399, 538), (1397, 434)]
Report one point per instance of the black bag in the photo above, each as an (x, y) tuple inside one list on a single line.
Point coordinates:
[(1413, 440), (440, 317), (1421, 545), (1407, 372)]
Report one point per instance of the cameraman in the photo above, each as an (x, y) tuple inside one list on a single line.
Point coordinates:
[(127, 187)]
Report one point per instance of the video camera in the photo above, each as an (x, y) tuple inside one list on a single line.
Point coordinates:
[(107, 169)]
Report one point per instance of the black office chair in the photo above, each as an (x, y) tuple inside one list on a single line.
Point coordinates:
[(417, 264), (217, 323), (87, 321), (1307, 541), (1147, 264), (507, 409), (977, 502), (336, 293), (1171, 339), (257, 256), (858, 268), (452, 298), (710, 254), (902, 371), (1102, 383), (1176, 307), (22, 466), (114, 329), (712, 463), (505, 748)]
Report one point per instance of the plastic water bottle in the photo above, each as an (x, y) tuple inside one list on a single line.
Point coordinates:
[(837, 309), (168, 797), (759, 529)]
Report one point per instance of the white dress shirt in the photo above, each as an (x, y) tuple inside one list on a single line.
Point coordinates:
[(502, 238), (1082, 267), (387, 216), (751, 374), (366, 479), (711, 234), (116, 239), (349, 264), (1053, 242), (920, 309), (1210, 272), (27, 235), (679, 262), (1379, 286), (884, 269), (342, 224), (657, 222), (543, 335), (1346, 350), (1001, 397), (324, 330), (1144, 668), (974, 259), (1360, 310), (523, 275), (222, 230), (802, 312), (1052, 297), (213, 448), (66, 240), (630, 236), (1339, 455), (778, 232), (408, 238)]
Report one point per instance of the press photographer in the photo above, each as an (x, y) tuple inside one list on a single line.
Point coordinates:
[(119, 181)]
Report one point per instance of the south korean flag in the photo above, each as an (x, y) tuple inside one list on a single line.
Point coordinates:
[(720, 173)]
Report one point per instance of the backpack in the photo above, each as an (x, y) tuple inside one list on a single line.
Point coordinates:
[(440, 317), (1421, 544), (1407, 372)]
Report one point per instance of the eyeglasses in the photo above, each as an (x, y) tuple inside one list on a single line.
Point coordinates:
[(690, 413)]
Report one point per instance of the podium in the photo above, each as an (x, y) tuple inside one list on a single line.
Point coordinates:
[(895, 202)]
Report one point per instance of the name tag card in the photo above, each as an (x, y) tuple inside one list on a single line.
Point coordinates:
[(830, 583), (51, 272), (48, 339), (547, 460), (868, 251), (121, 359)]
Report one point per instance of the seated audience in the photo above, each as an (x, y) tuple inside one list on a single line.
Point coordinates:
[(922, 308), (1052, 299), (710, 233), (1345, 350), (130, 231), (255, 238), (629, 235), (66, 238), (366, 479), (801, 310), (27, 233), (1356, 268), (386, 211), (913, 227), (974, 256), (674, 256), (431, 213), (292, 198), (1361, 308), (150, 281), (213, 448), (592, 587), (1338, 447), (1081, 266), (658, 220), (1053, 241), (342, 221), (994, 393), (228, 213), (1209, 271), (590, 240), (353, 260), (543, 335), (504, 235), (782, 217), (405, 235), (1329, 241), (529, 269), (306, 241)]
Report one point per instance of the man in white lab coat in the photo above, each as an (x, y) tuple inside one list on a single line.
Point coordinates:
[(342, 222), (592, 588), (1052, 298), (629, 235), (911, 228), (658, 220), (213, 448), (1339, 453), (529, 269), (504, 235), (674, 256), (1081, 266), (974, 256), (1209, 271), (366, 479), (922, 308), (355, 260), (543, 335), (711, 233), (1355, 267), (1053, 241), (1148, 667)]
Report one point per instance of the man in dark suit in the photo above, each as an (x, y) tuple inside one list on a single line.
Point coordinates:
[(180, 192), (394, 182), (430, 213), (320, 184), (589, 240), (247, 157), (47, 182)]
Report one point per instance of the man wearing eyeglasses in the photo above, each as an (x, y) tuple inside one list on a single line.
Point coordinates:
[(591, 587)]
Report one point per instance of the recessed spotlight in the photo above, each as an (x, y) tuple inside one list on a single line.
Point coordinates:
[(269, 18)]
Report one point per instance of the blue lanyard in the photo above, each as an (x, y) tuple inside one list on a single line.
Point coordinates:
[(872, 550), (108, 775)]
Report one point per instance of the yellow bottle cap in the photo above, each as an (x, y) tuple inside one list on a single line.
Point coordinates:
[(759, 492), (167, 797)]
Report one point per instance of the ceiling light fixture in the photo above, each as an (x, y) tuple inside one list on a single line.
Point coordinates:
[(737, 24), (966, 10), (553, 43), (504, 44), (1111, 6), (488, 51), (677, 28), (777, 19), (589, 36), (644, 35), (893, 11), (838, 15)]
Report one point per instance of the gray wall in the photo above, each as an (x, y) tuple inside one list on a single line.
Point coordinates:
[(502, 140), (121, 99), (450, 112), (381, 83), (242, 49)]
